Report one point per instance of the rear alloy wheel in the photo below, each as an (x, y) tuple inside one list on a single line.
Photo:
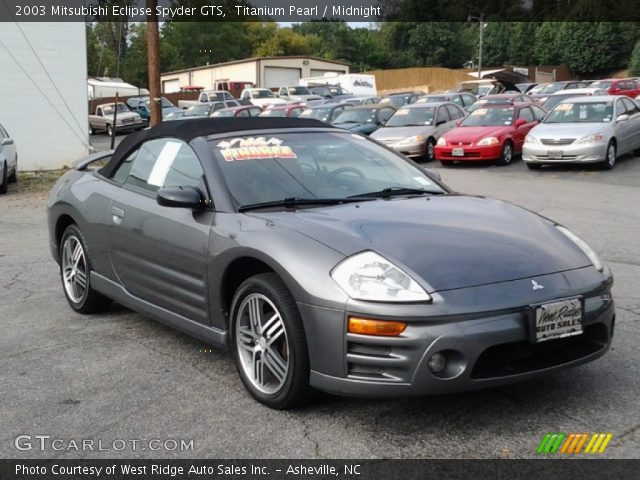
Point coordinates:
[(268, 342), (75, 268), (506, 156), (431, 150), (610, 159), (5, 179)]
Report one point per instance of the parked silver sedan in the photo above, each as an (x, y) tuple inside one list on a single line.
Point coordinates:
[(8, 160), (594, 129), (414, 129)]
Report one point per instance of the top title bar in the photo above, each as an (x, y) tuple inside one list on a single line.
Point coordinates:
[(317, 10)]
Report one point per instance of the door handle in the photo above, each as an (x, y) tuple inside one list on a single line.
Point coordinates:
[(117, 214)]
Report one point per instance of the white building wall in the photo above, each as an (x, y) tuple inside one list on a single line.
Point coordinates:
[(48, 134)]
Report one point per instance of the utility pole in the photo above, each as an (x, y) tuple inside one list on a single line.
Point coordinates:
[(480, 47), (153, 64)]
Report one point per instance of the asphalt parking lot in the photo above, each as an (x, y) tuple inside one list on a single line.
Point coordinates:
[(123, 376)]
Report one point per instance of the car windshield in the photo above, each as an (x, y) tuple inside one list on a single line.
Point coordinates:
[(360, 115), (338, 91), (108, 109), (322, 114), (273, 113), (165, 103), (224, 113), (551, 88), (485, 117), (433, 99), (262, 93), (396, 100), (299, 91), (197, 111), (536, 89), (314, 165), (412, 117), (587, 112), (601, 84), (554, 100)]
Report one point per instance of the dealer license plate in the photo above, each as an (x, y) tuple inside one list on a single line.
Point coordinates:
[(554, 154), (457, 152), (558, 320)]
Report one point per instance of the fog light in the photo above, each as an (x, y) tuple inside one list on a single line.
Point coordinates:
[(365, 326), (437, 362)]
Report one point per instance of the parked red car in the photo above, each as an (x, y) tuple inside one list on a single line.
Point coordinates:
[(493, 132), (619, 86), (283, 110)]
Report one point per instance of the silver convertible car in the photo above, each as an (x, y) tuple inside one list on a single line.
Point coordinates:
[(324, 260)]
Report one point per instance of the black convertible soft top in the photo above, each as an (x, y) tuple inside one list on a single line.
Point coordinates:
[(187, 130)]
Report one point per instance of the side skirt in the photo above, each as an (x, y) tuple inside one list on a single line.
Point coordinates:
[(213, 336)]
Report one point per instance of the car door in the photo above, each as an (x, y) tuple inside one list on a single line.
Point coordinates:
[(159, 254), (632, 109), (521, 132), (8, 148), (443, 121), (623, 128)]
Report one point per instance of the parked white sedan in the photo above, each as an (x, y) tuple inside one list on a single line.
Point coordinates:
[(594, 129), (8, 160)]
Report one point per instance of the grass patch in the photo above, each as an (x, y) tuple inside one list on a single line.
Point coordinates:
[(40, 181)]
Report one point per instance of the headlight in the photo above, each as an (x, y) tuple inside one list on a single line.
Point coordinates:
[(582, 245), (593, 138), (414, 139), (489, 141), (442, 141), (368, 276), (531, 140)]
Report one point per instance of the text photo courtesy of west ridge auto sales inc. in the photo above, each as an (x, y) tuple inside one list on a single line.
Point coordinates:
[(319, 239)]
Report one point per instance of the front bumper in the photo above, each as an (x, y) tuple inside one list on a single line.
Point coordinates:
[(411, 150), (471, 152), (483, 349), (565, 154), (125, 127)]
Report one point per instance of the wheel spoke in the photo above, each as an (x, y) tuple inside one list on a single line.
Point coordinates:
[(265, 328), (254, 315), (275, 332), (275, 365), (68, 274), (258, 368), (81, 279)]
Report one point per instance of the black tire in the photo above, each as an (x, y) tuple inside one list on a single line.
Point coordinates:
[(610, 156), (506, 156), (534, 166), (446, 163), (13, 178), (109, 130), (295, 389), (5, 179), (636, 153), (91, 301), (430, 154), (92, 131)]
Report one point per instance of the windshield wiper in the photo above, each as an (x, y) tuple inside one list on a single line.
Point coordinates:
[(293, 202), (398, 191)]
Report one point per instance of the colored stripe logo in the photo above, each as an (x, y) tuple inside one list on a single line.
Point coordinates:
[(572, 443)]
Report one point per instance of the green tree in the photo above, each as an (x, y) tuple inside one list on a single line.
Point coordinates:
[(634, 61), (546, 44)]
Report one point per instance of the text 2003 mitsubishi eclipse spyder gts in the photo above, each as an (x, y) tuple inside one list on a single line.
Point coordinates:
[(323, 259)]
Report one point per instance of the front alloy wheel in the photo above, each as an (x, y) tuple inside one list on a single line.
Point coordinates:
[(610, 160), (269, 343)]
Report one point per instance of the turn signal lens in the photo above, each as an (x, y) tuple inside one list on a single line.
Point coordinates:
[(385, 328)]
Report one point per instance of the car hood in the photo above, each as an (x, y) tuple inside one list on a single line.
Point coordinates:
[(398, 133), (473, 134), (304, 98), (568, 130), (449, 241), (268, 101), (124, 115)]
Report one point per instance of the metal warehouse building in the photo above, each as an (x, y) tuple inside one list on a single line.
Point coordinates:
[(44, 92), (267, 72)]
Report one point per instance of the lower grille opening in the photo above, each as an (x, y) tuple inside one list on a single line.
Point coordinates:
[(522, 357)]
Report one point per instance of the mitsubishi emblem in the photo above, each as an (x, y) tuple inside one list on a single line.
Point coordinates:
[(535, 285)]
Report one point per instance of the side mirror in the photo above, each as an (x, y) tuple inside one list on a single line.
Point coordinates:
[(180, 197), (383, 123), (623, 117), (520, 122), (6, 141), (432, 173), (458, 123)]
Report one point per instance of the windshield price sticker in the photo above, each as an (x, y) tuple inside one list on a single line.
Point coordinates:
[(564, 107), (404, 111), (480, 111), (254, 148)]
